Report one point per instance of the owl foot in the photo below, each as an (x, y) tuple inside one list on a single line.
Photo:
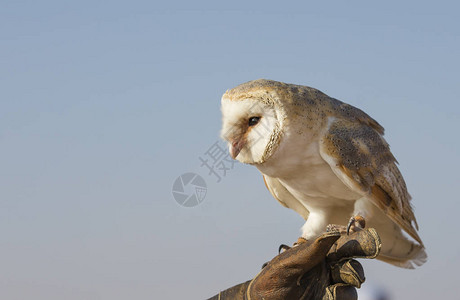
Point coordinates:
[(336, 228), (300, 240), (284, 247), (356, 223), (264, 265)]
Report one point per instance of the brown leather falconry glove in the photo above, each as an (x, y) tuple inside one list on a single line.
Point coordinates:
[(321, 269)]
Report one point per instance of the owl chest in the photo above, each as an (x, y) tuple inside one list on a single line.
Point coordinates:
[(312, 181), (318, 185), (299, 166)]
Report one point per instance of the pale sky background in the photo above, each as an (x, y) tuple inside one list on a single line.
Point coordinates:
[(104, 104)]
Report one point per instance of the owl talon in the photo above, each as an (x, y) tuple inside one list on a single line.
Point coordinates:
[(356, 223), (336, 228), (282, 248), (300, 240)]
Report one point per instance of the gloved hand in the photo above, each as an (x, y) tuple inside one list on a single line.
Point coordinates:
[(319, 269)]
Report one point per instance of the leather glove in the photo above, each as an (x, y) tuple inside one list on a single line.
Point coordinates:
[(320, 269)]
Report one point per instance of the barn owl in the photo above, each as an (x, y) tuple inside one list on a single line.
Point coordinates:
[(325, 159)]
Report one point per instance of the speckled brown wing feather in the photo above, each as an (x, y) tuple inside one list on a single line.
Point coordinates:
[(361, 158)]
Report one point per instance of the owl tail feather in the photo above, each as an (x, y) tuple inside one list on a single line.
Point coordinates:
[(414, 258)]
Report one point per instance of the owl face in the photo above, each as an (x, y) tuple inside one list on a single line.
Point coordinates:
[(249, 126)]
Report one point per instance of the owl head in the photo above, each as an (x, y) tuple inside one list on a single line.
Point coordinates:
[(252, 119)]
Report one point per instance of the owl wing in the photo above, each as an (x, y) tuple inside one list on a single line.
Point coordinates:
[(284, 197), (359, 155)]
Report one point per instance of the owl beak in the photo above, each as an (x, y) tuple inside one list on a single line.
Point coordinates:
[(236, 148)]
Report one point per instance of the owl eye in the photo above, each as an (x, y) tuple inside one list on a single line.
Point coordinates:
[(253, 121)]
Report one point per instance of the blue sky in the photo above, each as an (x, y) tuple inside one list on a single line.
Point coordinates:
[(104, 105)]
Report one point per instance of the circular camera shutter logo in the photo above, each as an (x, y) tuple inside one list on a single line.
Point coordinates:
[(189, 189)]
